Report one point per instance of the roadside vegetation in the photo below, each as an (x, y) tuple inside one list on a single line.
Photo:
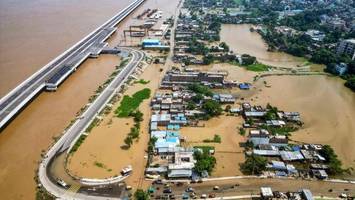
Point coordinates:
[(142, 81), (131, 103), (78, 143)]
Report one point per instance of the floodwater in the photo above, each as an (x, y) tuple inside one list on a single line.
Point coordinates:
[(242, 41), (32, 33), (326, 106)]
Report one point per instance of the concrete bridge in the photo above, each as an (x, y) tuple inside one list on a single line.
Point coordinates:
[(55, 72)]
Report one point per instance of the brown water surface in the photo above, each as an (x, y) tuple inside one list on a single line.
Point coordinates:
[(241, 40), (31, 34)]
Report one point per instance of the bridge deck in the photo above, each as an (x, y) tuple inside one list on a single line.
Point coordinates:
[(15, 100)]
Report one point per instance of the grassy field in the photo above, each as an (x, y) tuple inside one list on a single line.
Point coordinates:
[(131, 103), (258, 67)]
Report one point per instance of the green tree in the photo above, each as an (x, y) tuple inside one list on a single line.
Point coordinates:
[(141, 195), (212, 108), (204, 161), (128, 141), (254, 165), (137, 115), (208, 59), (191, 105), (200, 89), (332, 159)]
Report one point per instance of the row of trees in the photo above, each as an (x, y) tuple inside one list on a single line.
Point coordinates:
[(134, 132)]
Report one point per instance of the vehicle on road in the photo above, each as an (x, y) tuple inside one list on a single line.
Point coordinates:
[(127, 170), (62, 183)]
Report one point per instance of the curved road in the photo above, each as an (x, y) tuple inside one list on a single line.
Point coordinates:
[(73, 133)]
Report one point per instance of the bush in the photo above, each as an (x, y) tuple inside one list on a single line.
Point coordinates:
[(216, 139), (242, 131)]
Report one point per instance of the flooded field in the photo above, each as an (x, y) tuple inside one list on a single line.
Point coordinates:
[(229, 154), (241, 40), (326, 106), (103, 145), (33, 33)]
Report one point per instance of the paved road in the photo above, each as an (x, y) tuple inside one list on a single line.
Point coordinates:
[(248, 186), (12, 103), (74, 132)]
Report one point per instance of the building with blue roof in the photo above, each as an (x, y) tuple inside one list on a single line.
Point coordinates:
[(153, 44)]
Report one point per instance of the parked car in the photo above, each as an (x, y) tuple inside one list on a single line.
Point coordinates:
[(168, 190), (212, 195), (189, 189)]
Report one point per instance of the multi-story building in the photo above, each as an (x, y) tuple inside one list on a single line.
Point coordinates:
[(347, 47)]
